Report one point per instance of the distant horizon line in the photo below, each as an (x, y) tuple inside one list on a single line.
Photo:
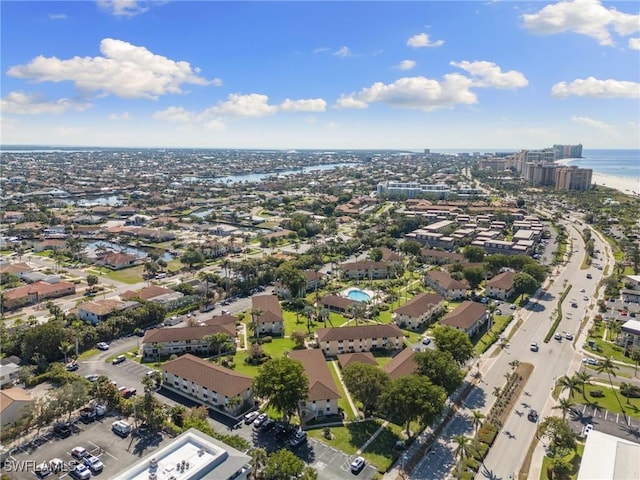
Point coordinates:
[(27, 146)]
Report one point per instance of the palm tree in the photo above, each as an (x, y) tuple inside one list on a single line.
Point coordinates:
[(461, 451), (566, 406), (65, 347), (497, 391), (569, 383), (476, 421), (256, 313), (583, 377), (609, 367), (258, 460)]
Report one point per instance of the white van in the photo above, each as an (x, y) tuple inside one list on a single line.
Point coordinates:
[(120, 427)]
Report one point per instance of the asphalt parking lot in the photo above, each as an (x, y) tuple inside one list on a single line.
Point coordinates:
[(116, 453), (606, 422)]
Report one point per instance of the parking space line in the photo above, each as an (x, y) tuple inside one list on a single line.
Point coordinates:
[(606, 413), (110, 455), (617, 417)]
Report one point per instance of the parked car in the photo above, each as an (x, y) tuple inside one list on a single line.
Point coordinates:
[(357, 465), (513, 306), (298, 438), (102, 346), (94, 463), (118, 359), (87, 414), (72, 366), (92, 377), (250, 417), (557, 336), (80, 472), (568, 336), (268, 424), (79, 452), (589, 275), (260, 419), (587, 429), (121, 428), (426, 341), (62, 430), (43, 469)]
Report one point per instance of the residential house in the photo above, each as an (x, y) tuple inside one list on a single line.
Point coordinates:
[(402, 364), (501, 286), (12, 401), (49, 244), (209, 384), (366, 270), (323, 396), (419, 310), (389, 255), (468, 316), (360, 338), (346, 359), (9, 370), (153, 293), (268, 315), (222, 320), (446, 286), (99, 310), (631, 292), (313, 280), (35, 293), (17, 269), (163, 342), (117, 261)]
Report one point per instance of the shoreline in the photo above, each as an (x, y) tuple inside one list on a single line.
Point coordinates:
[(627, 185)]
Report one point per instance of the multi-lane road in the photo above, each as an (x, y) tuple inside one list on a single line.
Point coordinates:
[(553, 360)]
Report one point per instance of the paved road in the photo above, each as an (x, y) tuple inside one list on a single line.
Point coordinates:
[(553, 360)]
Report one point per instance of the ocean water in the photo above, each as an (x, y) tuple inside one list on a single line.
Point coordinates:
[(617, 163)]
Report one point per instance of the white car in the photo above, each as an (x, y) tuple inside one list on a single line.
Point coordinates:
[(79, 452), (92, 377), (357, 465), (513, 306), (94, 463), (102, 346), (80, 472), (587, 429)]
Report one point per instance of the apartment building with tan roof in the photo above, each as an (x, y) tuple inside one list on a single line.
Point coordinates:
[(12, 402), (468, 316), (402, 364), (501, 286), (209, 384), (360, 338), (445, 285), (421, 309), (323, 396), (35, 293), (269, 319), (99, 310), (346, 359), (163, 342)]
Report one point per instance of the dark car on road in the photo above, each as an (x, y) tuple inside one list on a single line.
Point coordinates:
[(533, 416)]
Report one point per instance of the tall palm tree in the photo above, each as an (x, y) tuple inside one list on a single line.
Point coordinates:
[(476, 421), (609, 367), (461, 451), (569, 383), (583, 377), (258, 460), (566, 406)]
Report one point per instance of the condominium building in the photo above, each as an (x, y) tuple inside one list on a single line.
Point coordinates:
[(573, 178)]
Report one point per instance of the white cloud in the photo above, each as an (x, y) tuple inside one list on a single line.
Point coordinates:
[(416, 92), (406, 65), (634, 43), (349, 101), (343, 52), (488, 74), (321, 50), (590, 122), (122, 8), (176, 114), (305, 105), (421, 40), (119, 116), (25, 104), (593, 87), (124, 70), (586, 17), (253, 105), (57, 16)]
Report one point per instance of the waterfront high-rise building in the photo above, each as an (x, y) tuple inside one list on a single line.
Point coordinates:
[(567, 151), (573, 178)]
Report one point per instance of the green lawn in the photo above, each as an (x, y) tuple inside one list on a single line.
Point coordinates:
[(499, 324), (343, 402), (608, 402), (126, 275)]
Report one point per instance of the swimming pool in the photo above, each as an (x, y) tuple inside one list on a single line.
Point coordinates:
[(358, 295)]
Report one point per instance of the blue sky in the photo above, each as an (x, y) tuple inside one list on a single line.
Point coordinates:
[(326, 75)]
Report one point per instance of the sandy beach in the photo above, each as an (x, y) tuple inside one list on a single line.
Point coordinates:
[(629, 186)]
